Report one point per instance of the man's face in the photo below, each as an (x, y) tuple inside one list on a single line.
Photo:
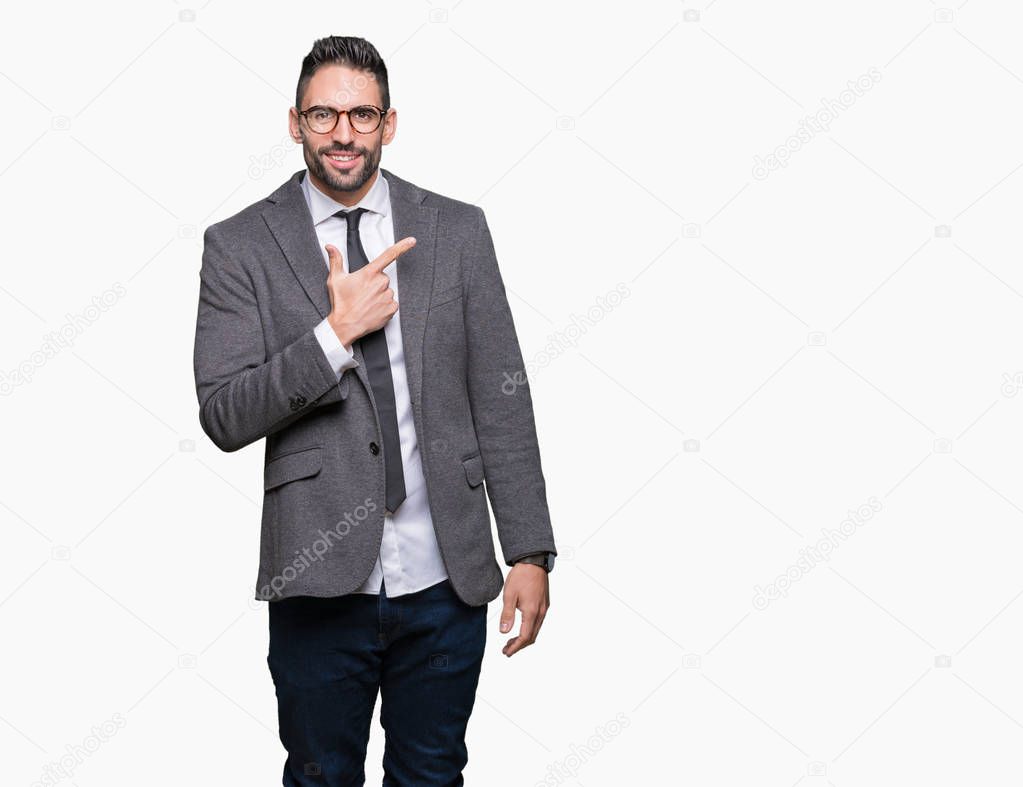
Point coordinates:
[(340, 88)]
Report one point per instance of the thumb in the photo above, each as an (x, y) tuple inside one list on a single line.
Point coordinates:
[(335, 259), (508, 613)]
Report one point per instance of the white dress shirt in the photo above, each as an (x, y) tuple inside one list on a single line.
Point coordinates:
[(410, 558)]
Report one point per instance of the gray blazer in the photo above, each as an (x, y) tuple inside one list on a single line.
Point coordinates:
[(259, 372)]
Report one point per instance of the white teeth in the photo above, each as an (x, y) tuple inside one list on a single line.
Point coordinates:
[(342, 158)]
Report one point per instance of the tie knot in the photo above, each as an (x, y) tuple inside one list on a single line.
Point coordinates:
[(351, 217)]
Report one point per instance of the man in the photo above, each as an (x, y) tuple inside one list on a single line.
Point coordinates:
[(360, 324)]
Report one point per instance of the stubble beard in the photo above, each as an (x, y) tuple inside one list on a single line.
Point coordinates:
[(341, 181)]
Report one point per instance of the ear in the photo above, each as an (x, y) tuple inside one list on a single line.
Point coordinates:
[(293, 125), (390, 126)]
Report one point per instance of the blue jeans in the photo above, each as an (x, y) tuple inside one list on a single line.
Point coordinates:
[(330, 656)]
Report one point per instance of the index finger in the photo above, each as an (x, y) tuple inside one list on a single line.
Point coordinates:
[(391, 254)]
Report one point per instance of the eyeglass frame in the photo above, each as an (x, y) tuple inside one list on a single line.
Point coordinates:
[(339, 112)]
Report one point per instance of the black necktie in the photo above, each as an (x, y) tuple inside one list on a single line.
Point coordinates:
[(378, 367)]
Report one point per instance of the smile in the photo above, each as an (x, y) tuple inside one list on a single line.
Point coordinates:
[(343, 161)]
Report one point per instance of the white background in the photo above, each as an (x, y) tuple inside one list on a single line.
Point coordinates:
[(841, 334)]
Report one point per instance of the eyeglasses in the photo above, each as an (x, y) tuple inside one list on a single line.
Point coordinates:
[(364, 120)]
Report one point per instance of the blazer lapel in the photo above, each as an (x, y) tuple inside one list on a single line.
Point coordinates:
[(415, 271)]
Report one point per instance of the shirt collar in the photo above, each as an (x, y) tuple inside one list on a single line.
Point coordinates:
[(322, 207)]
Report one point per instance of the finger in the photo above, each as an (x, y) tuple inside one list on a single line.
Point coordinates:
[(335, 260), (537, 626), (508, 613), (524, 638), (527, 631), (511, 646), (390, 255)]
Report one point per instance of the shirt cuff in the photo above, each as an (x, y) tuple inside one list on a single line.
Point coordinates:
[(337, 356)]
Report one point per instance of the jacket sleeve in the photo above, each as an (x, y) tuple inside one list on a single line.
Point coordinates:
[(502, 408), (243, 394)]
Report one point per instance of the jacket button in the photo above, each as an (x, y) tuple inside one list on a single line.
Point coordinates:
[(374, 448)]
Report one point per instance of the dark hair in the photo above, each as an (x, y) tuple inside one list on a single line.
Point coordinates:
[(357, 53)]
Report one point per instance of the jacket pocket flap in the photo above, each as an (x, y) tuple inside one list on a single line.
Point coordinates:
[(290, 467), (473, 470)]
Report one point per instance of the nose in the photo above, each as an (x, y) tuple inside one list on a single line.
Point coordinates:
[(342, 134)]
